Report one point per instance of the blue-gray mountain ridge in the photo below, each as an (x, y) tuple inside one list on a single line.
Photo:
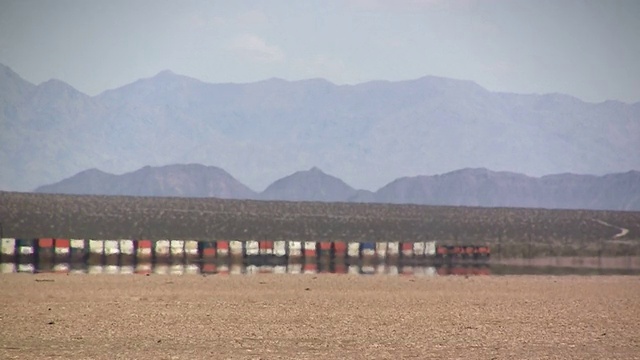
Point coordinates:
[(465, 187), (367, 134)]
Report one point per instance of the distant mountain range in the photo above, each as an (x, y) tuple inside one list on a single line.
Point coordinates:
[(466, 187), (367, 134)]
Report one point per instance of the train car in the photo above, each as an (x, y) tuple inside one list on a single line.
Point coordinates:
[(325, 249), (208, 251), (144, 251), (406, 250), (62, 251), (45, 253), (127, 253), (339, 249), (191, 251), (8, 251), (482, 253)]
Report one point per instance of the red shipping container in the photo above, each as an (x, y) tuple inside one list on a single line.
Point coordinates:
[(62, 243), (441, 250), (340, 248), (407, 246), (45, 243), (209, 252), (144, 244)]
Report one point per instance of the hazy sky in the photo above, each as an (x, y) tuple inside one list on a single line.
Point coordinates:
[(589, 49)]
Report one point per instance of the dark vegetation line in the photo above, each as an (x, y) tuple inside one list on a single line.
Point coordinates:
[(29, 215)]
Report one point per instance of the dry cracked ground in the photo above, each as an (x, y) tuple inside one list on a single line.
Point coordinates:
[(310, 316)]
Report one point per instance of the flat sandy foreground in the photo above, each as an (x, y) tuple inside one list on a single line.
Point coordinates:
[(318, 316)]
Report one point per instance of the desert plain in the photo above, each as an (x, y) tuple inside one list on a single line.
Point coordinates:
[(331, 316)]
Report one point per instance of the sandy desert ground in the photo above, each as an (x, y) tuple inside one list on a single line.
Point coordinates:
[(310, 316)]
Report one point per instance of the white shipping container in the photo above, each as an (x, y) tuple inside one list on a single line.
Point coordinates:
[(162, 247), (8, 246), (61, 250), (77, 244), (381, 249), (96, 246), (126, 247), (191, 247), (418, 248), (177, 247), (235, 247), (26, 250), (430, 248), (309, 246), (295, 248), (111, 247), (252, 248), (280, 248), (353, 249), (392, 248)]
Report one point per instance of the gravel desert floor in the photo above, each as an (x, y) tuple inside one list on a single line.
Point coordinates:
[(310, 316)]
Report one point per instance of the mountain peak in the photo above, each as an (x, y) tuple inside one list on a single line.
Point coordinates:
[(57, 85), (310, 185), (12, 86), (165, 74)]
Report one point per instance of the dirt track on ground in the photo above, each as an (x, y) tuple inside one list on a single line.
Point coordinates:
[(311, 316)]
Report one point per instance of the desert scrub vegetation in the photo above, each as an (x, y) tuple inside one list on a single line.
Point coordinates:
[(514, 231)]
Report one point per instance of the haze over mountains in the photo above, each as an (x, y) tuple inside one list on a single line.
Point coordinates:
[(366, 134), (466, 187)]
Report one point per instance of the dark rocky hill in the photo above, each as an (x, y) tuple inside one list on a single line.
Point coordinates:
[(191, 180), (310, 185), (467, 187)]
